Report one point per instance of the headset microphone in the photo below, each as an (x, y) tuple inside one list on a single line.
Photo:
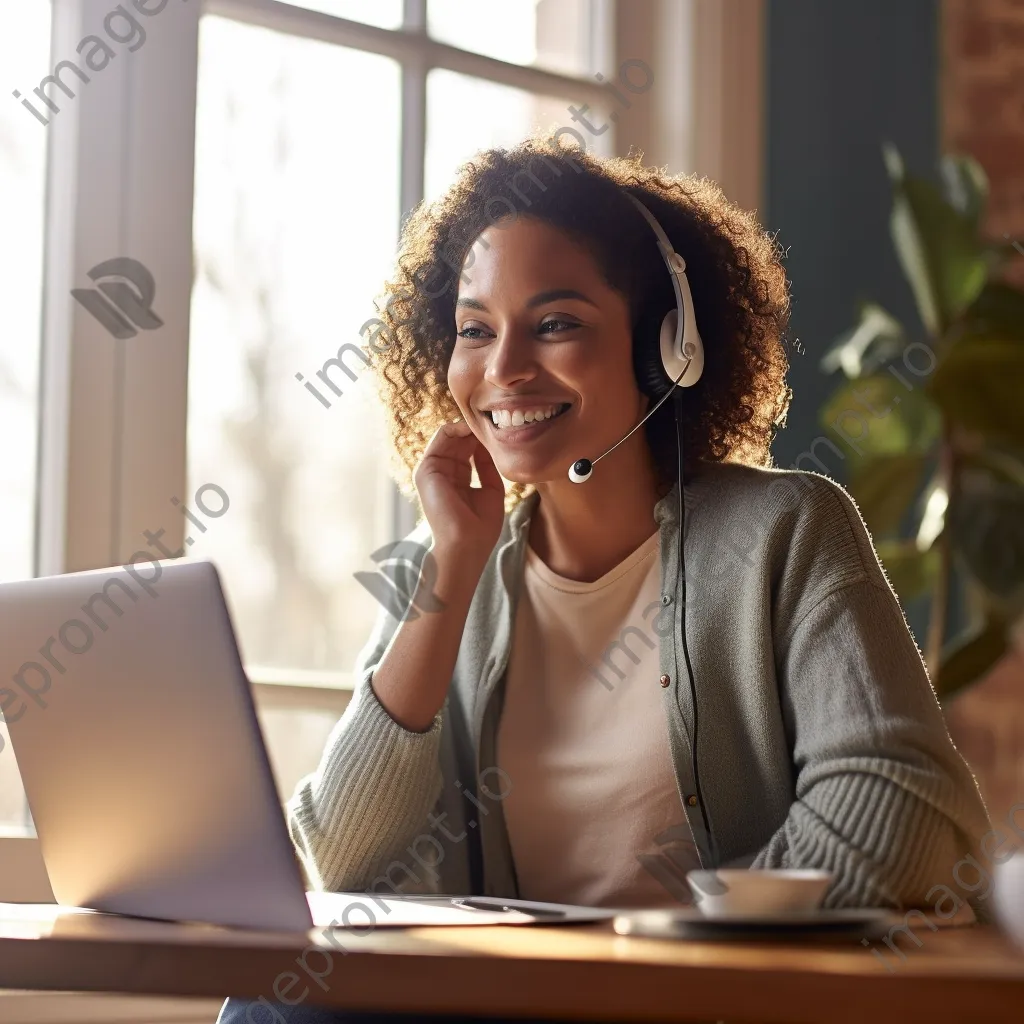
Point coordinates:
[(580, 470), (681, 350)]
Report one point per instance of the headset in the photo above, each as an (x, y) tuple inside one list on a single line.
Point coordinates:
[(678, 363)]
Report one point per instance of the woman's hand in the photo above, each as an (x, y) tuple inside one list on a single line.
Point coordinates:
[(413, 677), (465, 521)]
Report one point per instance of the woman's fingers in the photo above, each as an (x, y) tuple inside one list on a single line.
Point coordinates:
[(463, 519), (449, 450), (486, 470), (452, 442), (448, 437), (452, 449)]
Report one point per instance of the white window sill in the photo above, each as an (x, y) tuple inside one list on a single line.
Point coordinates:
[(294, 690), (264, 676)]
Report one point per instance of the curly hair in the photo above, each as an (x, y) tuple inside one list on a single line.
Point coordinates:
[(739, 288)]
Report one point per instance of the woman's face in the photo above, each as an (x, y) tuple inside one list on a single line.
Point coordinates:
[(542, 368)]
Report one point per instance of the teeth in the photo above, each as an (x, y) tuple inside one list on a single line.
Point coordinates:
[(503, 418)]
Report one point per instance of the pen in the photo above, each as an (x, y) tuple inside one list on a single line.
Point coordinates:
[(532, 911)]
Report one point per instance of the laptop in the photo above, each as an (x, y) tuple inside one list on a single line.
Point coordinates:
[(138, 744)]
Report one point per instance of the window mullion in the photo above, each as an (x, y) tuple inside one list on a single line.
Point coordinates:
[(77, 382), (411, 183), (112, 429), (414, 16)]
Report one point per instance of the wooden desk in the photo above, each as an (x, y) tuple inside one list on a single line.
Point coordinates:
[(964, 974)]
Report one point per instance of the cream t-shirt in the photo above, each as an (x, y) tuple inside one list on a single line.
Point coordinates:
[(594, 816)]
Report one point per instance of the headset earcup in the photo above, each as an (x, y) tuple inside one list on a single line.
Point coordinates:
[(682, 360), (667, 342), (647, 362)]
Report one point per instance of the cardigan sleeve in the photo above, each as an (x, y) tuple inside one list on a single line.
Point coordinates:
[(882, 797)]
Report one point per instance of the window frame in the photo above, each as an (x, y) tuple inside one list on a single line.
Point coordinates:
[(106, 405)]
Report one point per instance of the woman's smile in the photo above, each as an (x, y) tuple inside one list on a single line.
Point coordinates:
[(516, 423)]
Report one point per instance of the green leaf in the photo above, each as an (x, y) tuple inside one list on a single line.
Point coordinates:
[(911, 572), (965, 184), (938, 248), (979, 385), (885, 487), (970, 658), (877, 337), (877, 415), (986, 522)]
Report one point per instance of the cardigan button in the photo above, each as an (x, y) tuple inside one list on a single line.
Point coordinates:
[(666, 598), (665, 680), (691, 800)]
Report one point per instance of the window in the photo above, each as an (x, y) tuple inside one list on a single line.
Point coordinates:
[(295, 230), (558, 35), (466, 114), (313, 136)]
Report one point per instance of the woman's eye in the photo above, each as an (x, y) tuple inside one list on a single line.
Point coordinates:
[(555, 325), (471, 333)]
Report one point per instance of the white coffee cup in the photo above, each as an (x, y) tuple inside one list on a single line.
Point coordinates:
[(730, 892)]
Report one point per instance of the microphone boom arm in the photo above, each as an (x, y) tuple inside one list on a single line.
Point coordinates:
[(648, 415)]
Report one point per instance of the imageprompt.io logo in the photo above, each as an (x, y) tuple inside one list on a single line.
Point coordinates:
[(677, 854), (403, 564), (124, 306)]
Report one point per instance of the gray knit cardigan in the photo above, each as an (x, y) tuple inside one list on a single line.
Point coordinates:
[(820, 744)]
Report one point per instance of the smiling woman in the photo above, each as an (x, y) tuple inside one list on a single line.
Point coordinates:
[(554, 202), (782, 718), (522, 320)]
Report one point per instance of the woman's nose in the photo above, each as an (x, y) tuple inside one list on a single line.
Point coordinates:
[(511, 360)]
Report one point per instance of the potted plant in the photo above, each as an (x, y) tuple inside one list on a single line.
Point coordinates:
[(939, 477)]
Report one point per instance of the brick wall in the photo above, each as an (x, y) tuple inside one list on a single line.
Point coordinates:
[(982, 106), (982, 99)]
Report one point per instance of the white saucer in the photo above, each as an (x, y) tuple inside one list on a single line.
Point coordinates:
[(689, 922)]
